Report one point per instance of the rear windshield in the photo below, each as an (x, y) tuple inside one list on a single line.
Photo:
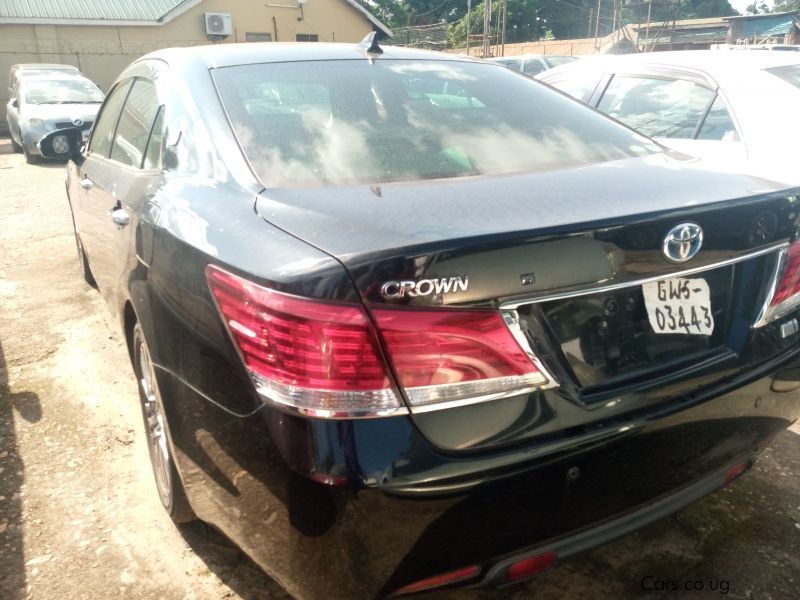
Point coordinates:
[(357, 121), (789, 73)]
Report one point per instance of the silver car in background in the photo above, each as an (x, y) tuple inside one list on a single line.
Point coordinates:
[(42, 103), (736, 110), (532, 64)]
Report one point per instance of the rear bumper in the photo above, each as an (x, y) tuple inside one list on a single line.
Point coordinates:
[(567, 547), (430, 512)]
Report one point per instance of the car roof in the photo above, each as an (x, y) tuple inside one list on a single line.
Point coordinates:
[(44, 67), (225, 55), (714, 62)]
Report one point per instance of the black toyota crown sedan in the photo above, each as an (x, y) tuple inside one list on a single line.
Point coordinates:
[(404, 320)]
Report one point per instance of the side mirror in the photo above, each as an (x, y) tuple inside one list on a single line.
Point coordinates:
[(15, 103), (62, 144)]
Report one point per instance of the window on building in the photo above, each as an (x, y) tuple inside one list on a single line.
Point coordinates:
[(252, 36), (307, 37)]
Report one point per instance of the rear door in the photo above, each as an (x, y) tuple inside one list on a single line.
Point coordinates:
[(120, 173), (682, 110)]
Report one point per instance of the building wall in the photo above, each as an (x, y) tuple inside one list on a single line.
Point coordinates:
[(102, 51)]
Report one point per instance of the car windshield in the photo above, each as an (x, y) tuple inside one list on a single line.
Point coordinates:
[(362, 121), (62, 91)]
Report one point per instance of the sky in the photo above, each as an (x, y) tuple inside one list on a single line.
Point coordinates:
[(741, 5)]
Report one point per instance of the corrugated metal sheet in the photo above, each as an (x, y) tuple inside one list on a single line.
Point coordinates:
[(104, 10), (766, 27)]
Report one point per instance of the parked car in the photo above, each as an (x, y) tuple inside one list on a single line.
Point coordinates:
[(42, 103), (734, 109), (40, 69), (390, 342), (531, 64)]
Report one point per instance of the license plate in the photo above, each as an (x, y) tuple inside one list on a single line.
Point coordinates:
[(678, 305), (85, 135)]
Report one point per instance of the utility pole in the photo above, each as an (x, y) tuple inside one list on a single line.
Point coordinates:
[(503, 38), (597, 24), (486, 49), (469, 14), (647, 31)]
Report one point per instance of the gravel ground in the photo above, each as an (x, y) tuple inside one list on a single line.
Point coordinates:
[(79, 515)]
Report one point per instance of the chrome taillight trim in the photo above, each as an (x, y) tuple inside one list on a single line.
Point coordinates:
[(601, 287), (331, 404), (766, 314)]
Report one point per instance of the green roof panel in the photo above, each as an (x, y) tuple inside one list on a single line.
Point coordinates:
[(88, 10)]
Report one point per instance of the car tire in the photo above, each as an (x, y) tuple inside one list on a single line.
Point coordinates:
[(31, 159), (83, 261), (168, 483), (15, 147)]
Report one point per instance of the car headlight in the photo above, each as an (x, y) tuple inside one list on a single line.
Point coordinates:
[(60, 144), (38, 123)]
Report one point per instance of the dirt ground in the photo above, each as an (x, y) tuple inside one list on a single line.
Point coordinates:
[(80, 518)]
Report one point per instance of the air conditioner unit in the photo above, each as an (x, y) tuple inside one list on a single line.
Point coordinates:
[(218, 23)]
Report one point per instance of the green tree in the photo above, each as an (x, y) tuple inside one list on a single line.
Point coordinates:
[(786, 6)]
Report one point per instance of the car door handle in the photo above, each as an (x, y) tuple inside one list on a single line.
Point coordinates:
[(86, 183), (119, 216)]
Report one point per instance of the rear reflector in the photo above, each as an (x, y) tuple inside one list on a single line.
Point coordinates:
[(455, 356), (528, 567), (321, 359), (735, 471), (787, 290), (448, 578)]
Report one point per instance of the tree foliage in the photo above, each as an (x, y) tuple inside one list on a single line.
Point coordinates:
[(534, 19)]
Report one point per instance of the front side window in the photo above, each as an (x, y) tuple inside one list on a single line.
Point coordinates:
[(657, 106), (356, 121), (106, 124), (135, 124)]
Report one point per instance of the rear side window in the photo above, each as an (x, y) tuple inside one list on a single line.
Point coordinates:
[(357, 121), (580, 84), (533, 66), (718, 124), (657, 106), (103, 132), (789, 73), (135, 124)]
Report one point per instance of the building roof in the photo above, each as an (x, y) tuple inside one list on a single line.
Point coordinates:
[(108, 12), (765, 25), (115, 12)]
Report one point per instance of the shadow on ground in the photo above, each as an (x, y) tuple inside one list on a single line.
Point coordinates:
[(231, 565), (14, 408)]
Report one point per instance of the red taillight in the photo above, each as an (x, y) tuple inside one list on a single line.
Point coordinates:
[(324, 359), (455, 355), (321, 358), (528, 567), (787, 289), (789, 284), (436, 581)]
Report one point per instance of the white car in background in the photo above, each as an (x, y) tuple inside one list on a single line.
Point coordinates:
[(736, 110), (43, 102)]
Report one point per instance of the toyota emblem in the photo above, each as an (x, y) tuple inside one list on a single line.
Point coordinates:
[(683, 242), (77, 122)]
